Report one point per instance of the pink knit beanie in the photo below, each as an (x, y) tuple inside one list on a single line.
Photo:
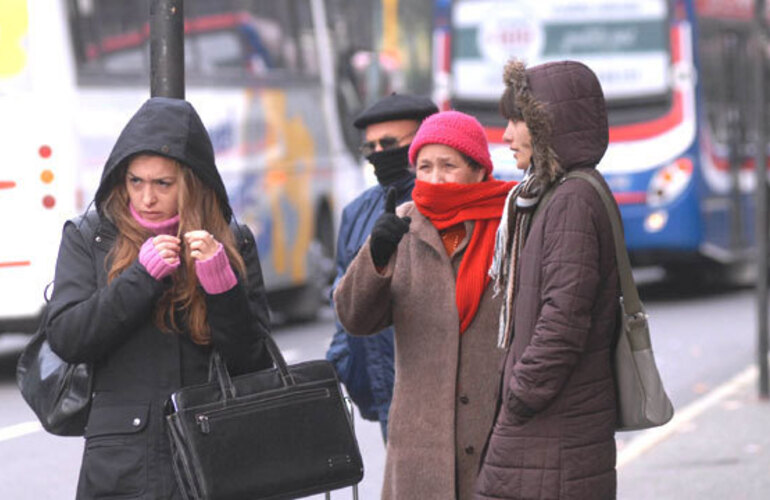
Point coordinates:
[(456, 130)]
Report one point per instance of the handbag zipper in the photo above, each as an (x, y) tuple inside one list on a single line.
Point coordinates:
[(202, 419)]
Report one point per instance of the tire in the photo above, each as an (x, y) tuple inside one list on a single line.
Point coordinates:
[(304, 303), (711, 275)]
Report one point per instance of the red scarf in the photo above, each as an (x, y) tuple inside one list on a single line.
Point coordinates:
[(446, 205)]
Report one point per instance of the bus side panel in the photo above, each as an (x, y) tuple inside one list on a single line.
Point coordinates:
[(287, 173), (37, 191)]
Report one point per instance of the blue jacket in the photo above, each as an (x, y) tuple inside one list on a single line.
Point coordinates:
[(365, 364)]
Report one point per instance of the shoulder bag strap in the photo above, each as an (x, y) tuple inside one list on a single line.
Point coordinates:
[(87, 225), (631, 302), (545, 199)]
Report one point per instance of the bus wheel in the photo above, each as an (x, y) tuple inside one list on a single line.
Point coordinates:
[(310, 298), (712, 275)]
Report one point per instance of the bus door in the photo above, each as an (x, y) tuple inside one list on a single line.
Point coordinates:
[(727, 154), (738, 93), (37, 192)]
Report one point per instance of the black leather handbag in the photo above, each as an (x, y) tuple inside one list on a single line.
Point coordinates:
[(58, 392), (284, 432)]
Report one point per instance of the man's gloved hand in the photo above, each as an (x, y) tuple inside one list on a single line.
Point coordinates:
[(387, 231)]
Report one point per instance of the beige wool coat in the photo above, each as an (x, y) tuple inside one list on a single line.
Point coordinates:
[(446, 384)]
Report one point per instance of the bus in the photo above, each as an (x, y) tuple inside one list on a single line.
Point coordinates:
[(269, 81), (676, 78), (37, 183)]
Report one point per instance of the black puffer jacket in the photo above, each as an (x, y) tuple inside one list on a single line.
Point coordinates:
[(136, 366)]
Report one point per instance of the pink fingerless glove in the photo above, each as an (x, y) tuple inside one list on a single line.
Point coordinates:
[(153, 262), (215, 274)]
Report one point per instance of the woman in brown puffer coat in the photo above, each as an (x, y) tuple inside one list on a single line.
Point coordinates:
[(553, 436)]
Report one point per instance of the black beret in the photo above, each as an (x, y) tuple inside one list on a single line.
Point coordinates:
[(396, 107)]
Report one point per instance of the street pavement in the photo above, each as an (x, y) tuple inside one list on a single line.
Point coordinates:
[(718, 447)]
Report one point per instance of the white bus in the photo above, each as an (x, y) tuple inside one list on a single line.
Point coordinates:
[(37, 180)]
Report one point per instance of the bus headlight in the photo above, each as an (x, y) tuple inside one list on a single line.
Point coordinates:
[(655, 221), (669, 182)]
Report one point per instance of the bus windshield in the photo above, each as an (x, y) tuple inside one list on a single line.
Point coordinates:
[(625, 42), (264, 40)]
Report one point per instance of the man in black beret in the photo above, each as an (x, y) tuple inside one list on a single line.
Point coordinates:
[(365, 364)]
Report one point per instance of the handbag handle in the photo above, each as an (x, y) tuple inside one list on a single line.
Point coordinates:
[(218, 368), (280, 363)]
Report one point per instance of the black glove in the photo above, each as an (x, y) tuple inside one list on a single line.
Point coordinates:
[(388, 231)]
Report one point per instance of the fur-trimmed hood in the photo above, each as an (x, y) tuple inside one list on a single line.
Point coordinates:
[(563, 106)]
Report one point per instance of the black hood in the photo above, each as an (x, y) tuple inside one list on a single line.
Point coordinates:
[(167, 127)]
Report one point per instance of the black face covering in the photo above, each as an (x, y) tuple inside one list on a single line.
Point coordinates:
[(390, 164)]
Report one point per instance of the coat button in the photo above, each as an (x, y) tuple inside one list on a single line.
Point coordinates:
[(165, 149), (98, 239), (469, 450), (136, 422), (464, 400)]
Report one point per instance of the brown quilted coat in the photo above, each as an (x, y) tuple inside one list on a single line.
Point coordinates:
[(554, 432), (446, 383)]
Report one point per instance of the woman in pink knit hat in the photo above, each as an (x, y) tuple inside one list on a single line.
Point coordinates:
[(424, 270)]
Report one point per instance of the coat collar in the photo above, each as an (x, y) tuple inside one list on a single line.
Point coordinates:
[(426, 232)]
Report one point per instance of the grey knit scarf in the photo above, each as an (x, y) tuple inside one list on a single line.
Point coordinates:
[(511, 235)]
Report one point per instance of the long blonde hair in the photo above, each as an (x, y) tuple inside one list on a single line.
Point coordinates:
[(199, 208)]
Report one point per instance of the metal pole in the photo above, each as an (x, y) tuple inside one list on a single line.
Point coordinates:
[(760, 45), (374, 70), (167, 48)]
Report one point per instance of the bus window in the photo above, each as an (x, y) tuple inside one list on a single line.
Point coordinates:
[(216, 52), (308, 62), (110, 38), (252, 42)]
